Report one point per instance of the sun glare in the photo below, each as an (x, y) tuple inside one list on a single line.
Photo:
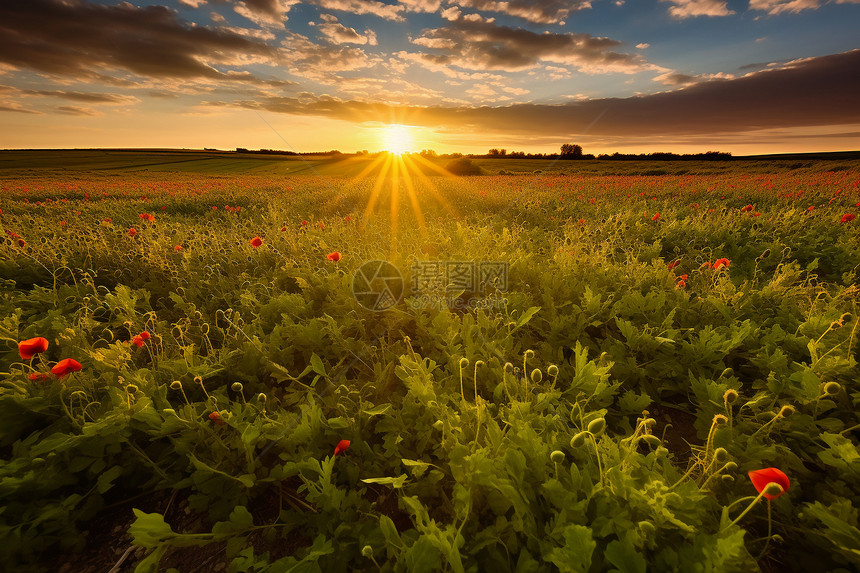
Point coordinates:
[(397, 139)]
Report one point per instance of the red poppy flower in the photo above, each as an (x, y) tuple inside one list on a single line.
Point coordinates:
[(38, 376), (720, 263), (582, 221), (256, 242), (655, 217), (132, 232), (177, 248), (283, 229), (347, 218), (681, 284), (811, 208), (29, 348), (66, 366), (682, 277), (341, 447), (761, 479), (747, 208), (847, 218), (217, 419), (147, 217), (304, 223), (137, 341), (144, 335), (673, 264), (335, 256), (21, 242), (107, 220)]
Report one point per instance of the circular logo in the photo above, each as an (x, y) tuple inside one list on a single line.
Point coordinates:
[(377, 285)]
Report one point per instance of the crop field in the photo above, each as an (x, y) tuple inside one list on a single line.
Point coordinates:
[(268, 365)]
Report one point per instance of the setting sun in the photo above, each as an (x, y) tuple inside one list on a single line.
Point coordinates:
[(397, 139)]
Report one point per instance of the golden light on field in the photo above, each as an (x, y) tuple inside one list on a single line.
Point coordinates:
[(397, 139)]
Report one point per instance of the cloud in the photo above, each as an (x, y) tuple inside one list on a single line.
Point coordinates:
[(265, 12), (690, 8), (193, 3), (643, 46), (811, 92), (385, 11), (430, 6), (15, 108), (484, 45), (336, 33), (679, 79), (72, 110), (537, 11), (84, 40)]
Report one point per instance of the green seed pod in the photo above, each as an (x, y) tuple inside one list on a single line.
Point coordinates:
[(721, 454), (773, 489), (367, 551), (578, 440), (237, 387), (537, 376), (552, 370), (652, 440), (557, 456), (647, 528), (832, 388), (439, 424), (729, 396), (731, 467), (597, 426), (464, 362), (261, 398), (649, 422)]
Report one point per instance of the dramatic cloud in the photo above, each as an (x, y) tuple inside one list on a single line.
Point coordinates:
[(679, 79), (386, 11), (79, 39), (538, 11), (265, 12), (336, 33), (484, 45), (811, 92), (430, 6), (691, 8)]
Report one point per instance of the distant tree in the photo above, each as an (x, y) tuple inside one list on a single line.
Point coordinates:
[(428, 153), (463, 166), (497, 152), (571, 151)]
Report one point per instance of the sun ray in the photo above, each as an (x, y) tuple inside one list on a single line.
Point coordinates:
[(432, 186), (413, 198), (377, 188)]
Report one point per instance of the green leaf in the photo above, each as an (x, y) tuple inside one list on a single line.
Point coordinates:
[(526, 316), (149, 530), (395, 482), (105, 481), (377, 410), (575, 555), (317, 365), (389, 531), (624, 556)]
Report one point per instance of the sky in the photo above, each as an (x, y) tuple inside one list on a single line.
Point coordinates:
[(634, 76)]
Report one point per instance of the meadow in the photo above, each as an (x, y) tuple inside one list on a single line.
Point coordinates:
[(193, 377)]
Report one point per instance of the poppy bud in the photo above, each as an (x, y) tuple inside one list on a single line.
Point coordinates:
[(176, 385), (832, 388), (720, 420), (367, 551), (649, 422), (597, 426), (773, 489), (537, 376), (652, 440), (727, 372), (464, 362), (131, 388), (261, 398), (438, 424), (729, 396), (731, 466), (237, 387), (552, 370), (727, 480), (508, 367), (785, 411), (662, 451), (721, 454), (557, 456), (578, 440), (341, 447), (647, 528)]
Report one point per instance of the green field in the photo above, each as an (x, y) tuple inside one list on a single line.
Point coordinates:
[(643, 335)]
